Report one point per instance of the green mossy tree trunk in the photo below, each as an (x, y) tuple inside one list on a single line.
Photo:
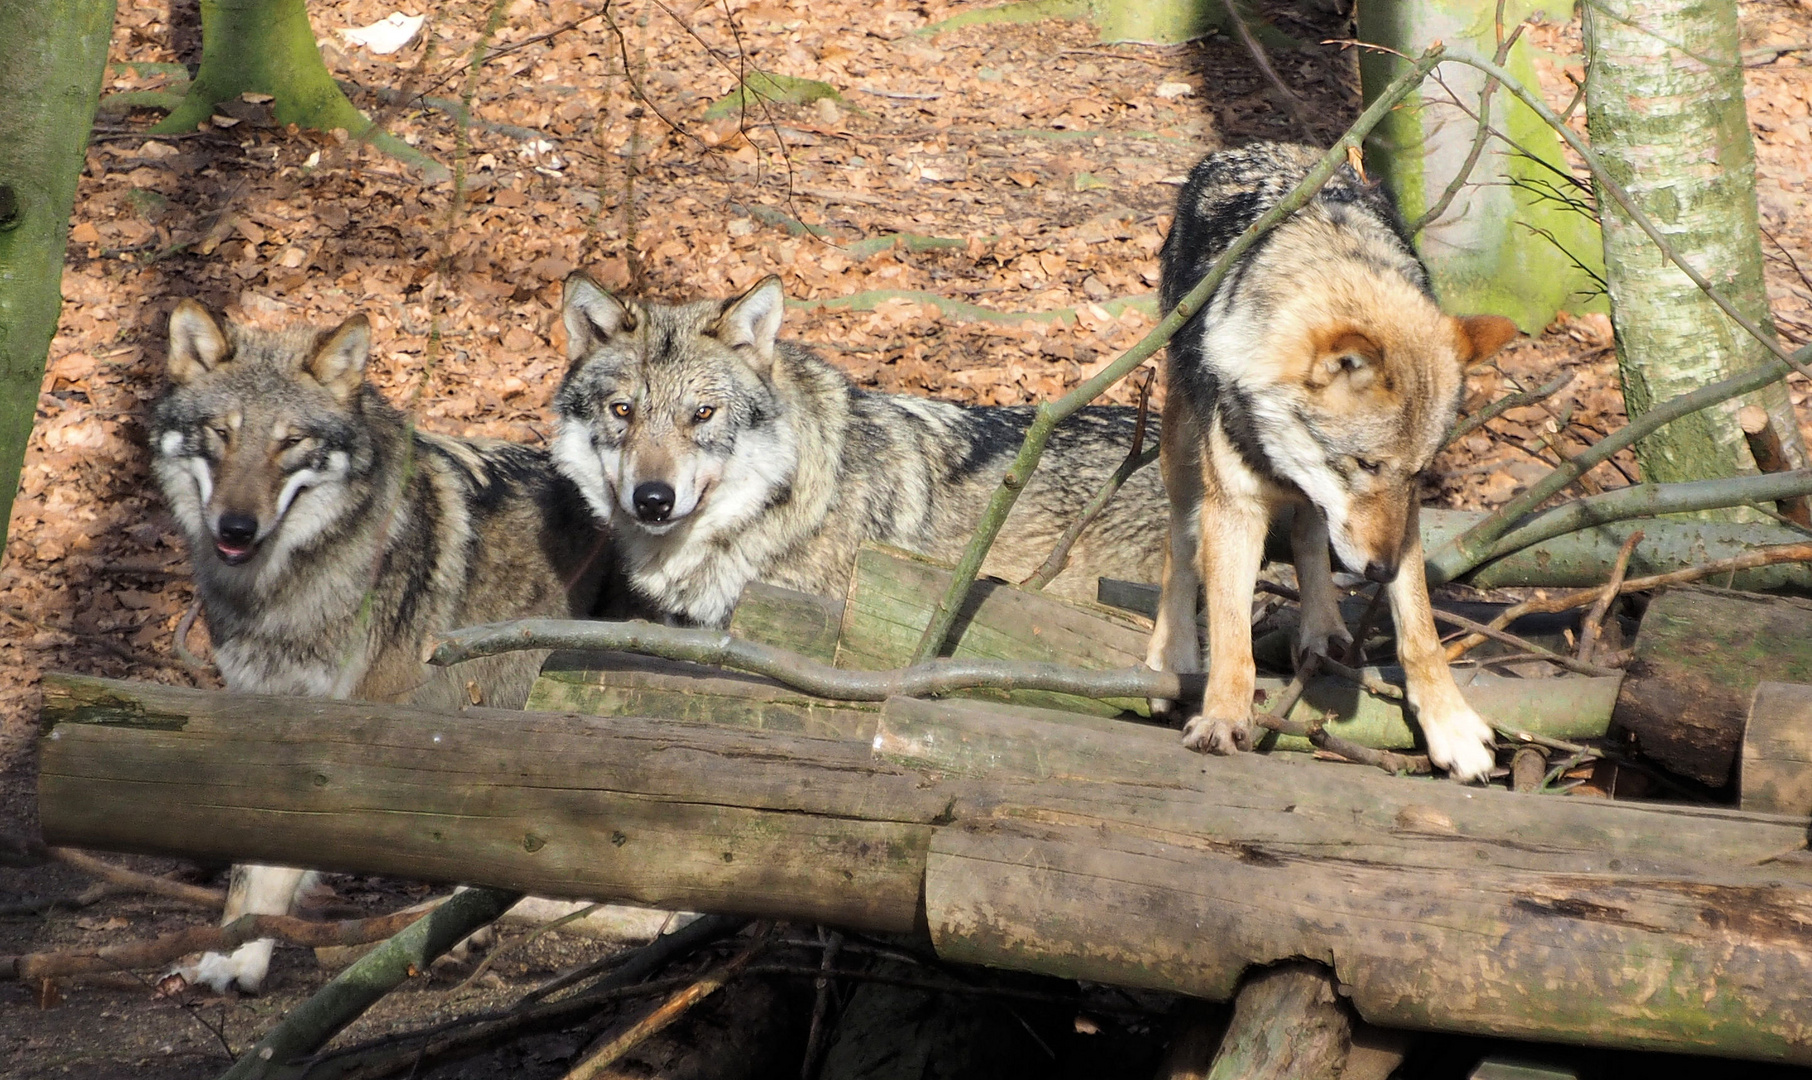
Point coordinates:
[(53, 53), (268, 47), (1665, 109), (1510, 243)]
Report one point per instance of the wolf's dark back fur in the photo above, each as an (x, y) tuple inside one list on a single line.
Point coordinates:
[(1226, 192)]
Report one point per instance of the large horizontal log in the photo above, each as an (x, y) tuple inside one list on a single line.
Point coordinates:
[(1640, 963), (1085, 848)]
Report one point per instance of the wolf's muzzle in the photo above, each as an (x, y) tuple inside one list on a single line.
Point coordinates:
[(1381, 572), (236, 538), (653, 501)]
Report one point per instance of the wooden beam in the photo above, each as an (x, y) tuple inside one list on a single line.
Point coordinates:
[(1086, 850)]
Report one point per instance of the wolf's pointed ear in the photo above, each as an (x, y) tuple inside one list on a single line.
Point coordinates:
[(1482, 335), (196, 342), (751, 323), (591, 315), (338, 361)]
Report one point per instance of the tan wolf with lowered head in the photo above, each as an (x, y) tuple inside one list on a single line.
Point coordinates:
[(329, 540), (1322, 376)]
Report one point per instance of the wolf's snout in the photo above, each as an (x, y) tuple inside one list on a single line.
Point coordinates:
[(653, 501), (235, 537), (1381, 572)]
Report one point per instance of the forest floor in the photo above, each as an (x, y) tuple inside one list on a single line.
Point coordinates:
[(975, 216)]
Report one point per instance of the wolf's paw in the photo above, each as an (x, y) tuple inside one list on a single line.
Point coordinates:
[(1314, 636), (1317, 645), (244, 969), (1461, 743), (1218, 735)]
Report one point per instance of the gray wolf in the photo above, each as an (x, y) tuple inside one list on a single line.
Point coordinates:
[(718, 453), (1322, 376), (329, 539)]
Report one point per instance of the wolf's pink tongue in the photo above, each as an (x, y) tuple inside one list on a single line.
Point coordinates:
[(229, 551)]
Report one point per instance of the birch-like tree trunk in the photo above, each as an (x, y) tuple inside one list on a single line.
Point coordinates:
[(1515, 241), (52, 53), (1665, 109)]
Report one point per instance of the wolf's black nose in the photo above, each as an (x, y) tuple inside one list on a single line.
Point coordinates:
[(1382, 572), (653, 500), (238, 529)]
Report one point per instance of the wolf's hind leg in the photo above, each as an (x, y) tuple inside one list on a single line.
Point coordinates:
[(1175, 645), (1320, 620), (254, 890), (1232, 552), (1458, 739)]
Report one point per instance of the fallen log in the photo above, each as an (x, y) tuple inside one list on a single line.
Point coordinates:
[(1699, 655), (1078, 850), (891, 597)]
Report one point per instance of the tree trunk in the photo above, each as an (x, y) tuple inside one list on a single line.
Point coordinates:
[(53, 53), (1665, 108), (268, 47), (1512, 242)]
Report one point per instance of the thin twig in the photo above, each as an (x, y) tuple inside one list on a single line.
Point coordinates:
[(1504, 404), (1136, 458), (1433, 213), (197, 667), (158, 951), (1549, 605), (1291, 100), (814, 1039), (1359, 678), (669, 1011), (1527, 646), (1589, 629), (1049, 414), (546, 927), (388, 1054), (124, 879)]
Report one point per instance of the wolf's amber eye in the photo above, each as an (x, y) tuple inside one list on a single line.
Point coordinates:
[(620, 409), (1367, 465), (292, 441), (705, 412)]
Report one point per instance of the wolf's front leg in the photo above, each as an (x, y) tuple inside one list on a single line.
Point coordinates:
[(254, 890), (1458, 739), (1232, 551), (1320, 621)]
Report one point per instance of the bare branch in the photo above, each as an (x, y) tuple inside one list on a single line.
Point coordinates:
[(1136, 458), (1589, 629)]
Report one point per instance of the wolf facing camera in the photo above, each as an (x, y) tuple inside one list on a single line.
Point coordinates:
[(720, 454), (329, 540), (1320, 375)]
